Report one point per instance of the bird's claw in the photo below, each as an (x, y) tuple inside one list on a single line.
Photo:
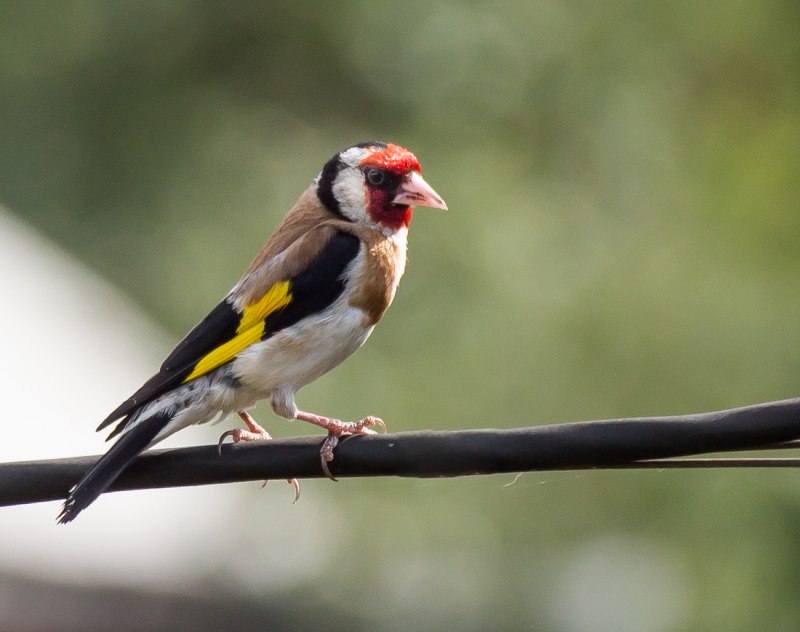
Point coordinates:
[(294, 483), (242, 435), (336, 430), (326, 454)]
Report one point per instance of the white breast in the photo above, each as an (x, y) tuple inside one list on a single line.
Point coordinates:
[(299, 354)]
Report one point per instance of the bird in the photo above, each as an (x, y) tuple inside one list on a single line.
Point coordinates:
[(310, 298)]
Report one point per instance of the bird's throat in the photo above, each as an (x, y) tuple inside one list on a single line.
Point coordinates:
[(391, 216)]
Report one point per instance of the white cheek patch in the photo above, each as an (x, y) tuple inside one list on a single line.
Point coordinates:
[(349, 190)]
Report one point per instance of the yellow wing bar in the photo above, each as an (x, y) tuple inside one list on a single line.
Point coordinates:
[(249, 331)]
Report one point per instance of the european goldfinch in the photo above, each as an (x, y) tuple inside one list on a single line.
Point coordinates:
[(309, 299)]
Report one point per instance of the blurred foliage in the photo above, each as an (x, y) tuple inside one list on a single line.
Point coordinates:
[(623, 240)]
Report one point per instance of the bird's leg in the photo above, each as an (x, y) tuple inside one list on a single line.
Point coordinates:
[(254, 432), (336, 429)]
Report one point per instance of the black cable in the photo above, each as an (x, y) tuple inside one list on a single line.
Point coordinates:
[(580, 445)]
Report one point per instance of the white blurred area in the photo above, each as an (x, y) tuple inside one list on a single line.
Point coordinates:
[(73, 348)]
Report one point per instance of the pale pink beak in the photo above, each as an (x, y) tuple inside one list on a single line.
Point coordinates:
[(414, 191)]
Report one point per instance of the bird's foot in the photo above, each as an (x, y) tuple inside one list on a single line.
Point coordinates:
[(254, 432), (336, 429)]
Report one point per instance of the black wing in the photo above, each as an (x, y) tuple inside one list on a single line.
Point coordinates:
[(311, 291)]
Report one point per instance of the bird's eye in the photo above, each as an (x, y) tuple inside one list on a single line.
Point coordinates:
[(376, 177)]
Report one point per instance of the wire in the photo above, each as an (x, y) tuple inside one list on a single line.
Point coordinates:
[(650, 442)]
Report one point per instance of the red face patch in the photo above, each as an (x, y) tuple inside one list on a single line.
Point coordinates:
[(394, 159)]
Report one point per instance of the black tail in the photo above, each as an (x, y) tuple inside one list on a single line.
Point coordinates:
[(110, 465)]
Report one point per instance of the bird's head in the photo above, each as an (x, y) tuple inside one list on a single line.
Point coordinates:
[(375, 184)]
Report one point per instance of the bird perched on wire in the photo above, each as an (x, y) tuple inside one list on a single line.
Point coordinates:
[(309, 299)]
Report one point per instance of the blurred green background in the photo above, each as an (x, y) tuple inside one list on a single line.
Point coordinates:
[(622, 240)]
